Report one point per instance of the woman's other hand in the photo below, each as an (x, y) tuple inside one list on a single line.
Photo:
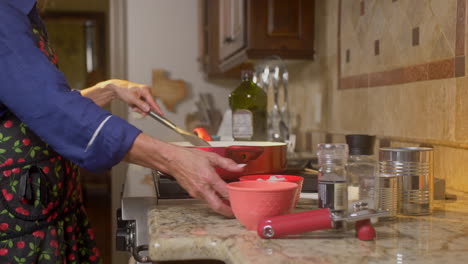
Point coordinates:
[(193, 169), (137, 96)]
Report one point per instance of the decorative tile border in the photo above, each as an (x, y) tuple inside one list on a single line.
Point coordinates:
[(460, 28), (441, 69), (415, 36)]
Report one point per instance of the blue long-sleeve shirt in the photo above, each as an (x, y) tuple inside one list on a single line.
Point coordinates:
[(34, 90)]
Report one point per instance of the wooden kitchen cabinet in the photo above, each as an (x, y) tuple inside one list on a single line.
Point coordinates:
[(238, 31), (232, 36)]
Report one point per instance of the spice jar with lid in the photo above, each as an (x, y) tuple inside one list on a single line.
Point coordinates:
[(332, 177)]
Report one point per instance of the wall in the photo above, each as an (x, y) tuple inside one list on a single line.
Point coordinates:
[(395, 69), (164, 34)]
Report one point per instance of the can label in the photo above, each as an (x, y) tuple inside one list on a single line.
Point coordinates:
[(242, 124), (332, 195)]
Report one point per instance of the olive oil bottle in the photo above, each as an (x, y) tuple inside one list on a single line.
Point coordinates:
[(248, 103)]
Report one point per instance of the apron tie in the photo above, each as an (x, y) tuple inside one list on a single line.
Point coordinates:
[(26, 189)]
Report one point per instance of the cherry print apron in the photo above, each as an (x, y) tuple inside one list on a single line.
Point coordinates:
[(42, 218)]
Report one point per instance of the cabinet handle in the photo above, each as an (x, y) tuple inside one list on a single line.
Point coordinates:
[(229, 39)]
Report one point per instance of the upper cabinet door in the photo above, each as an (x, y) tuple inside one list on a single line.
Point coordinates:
[(237, 32), (232, 27), (282, 28)]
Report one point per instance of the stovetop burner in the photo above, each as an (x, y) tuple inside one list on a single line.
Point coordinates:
[(168, 188)]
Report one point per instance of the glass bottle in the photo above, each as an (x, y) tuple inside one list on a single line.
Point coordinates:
[(362, 172), (248, 103), (332, 185)]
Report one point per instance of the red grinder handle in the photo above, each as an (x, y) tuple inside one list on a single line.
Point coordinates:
[(290, 224)]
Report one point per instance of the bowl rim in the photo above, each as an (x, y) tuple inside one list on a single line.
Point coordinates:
[(292, 177), (287, 186), (226, 144)]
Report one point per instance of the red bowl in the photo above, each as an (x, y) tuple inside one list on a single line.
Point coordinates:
[(269, 177), (252, 201)]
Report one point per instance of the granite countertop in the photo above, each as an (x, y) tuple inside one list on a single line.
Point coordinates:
[(188, 229)]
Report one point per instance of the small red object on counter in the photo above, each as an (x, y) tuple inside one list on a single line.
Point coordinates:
[(364, 230), (202, 133)]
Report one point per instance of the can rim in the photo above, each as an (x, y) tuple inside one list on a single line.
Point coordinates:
[(405, 149)]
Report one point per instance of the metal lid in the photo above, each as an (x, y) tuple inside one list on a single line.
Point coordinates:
[(360, 144), (406, 154)]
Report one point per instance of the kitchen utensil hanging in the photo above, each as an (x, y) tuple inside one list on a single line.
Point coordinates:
[(271, 74)]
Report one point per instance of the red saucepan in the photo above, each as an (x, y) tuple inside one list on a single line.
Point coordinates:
[(260, 157)]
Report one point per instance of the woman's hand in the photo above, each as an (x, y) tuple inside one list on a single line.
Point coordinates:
[(137, 96), (193, 169)]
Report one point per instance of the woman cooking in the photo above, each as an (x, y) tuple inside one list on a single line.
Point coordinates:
[(47, 131)]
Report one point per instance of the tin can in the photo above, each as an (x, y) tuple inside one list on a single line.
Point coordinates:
[(413, 169)]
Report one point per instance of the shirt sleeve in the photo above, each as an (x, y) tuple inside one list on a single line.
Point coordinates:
[(37, 93), (23, 6)]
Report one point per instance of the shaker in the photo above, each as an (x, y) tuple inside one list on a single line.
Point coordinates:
[(332, 177), (362, 171)]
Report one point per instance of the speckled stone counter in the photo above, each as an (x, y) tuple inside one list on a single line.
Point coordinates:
[(188, 229)]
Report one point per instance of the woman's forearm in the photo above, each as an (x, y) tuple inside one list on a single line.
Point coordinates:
[(101, 94), (148, 152)]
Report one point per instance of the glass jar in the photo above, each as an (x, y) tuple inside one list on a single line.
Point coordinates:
[(362, 171), (332, 177)]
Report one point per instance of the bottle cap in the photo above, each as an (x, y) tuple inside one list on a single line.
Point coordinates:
[(247, 74), (360, 144), (330, 153)]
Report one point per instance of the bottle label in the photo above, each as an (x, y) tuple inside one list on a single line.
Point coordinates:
[(332, 195), (242, 124)]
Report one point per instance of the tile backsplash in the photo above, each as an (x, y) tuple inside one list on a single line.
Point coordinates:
[(394, 69)]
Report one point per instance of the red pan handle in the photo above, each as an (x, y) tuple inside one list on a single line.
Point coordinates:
[(243, 154), (290, 224)]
